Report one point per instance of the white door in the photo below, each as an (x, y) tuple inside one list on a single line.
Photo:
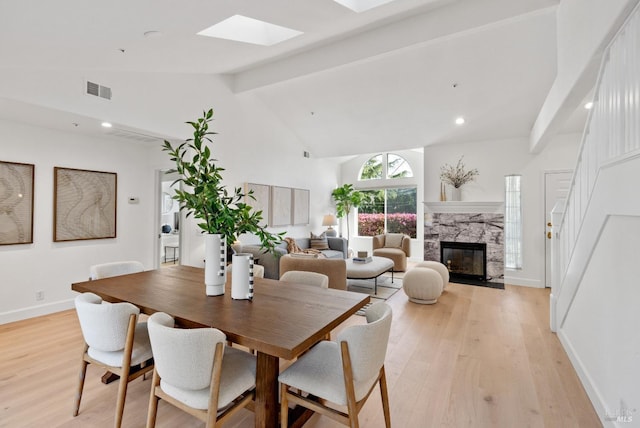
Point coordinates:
[(556, 186)]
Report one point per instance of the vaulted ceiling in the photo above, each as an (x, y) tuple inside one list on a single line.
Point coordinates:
[(393, 77)]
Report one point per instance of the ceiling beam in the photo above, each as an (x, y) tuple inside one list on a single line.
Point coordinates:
[(457, 18)]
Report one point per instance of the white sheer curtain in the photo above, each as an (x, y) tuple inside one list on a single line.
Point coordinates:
[(512, 223)]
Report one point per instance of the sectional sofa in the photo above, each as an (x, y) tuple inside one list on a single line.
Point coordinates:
[(338, 249)]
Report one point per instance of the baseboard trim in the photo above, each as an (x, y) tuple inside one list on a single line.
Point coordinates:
[(35, 311), (585, 379), (553, 304), (526, 282)]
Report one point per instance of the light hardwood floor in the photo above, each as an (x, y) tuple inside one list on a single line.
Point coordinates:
[(478, 358)]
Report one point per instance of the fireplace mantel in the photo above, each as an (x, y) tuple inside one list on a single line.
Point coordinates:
[(463, 207)]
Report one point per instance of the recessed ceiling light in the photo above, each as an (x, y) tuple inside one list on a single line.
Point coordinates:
[(243, 29), (106, 125), (588, 105), (460, 121), (362, 5)]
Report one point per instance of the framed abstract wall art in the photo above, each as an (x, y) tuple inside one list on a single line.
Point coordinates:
[(16, 203), (300, 207), (260, 200), (84, 204), (280, 206)]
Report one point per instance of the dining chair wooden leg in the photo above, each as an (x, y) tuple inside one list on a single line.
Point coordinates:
[(214, 388), (352, 404), (385, 398), (124, 374), (81, 377), (153, 401), (284, 406), (122, 395)]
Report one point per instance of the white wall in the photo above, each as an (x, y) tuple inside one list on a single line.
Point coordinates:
[(600, 330), (252, 145), (494, 160), (52, 267)]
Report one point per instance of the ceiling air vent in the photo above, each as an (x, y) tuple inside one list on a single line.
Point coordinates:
[(133, 135), (98, 90)]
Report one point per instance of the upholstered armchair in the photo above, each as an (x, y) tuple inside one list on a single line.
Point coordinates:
[(394, 246)]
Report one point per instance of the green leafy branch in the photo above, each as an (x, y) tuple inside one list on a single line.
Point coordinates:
[(204, 195)]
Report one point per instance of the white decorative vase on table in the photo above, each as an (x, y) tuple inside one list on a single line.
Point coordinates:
[(242, 276), (215, 257)]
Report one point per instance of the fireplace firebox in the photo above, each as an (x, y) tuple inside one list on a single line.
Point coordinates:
[(465, 260)]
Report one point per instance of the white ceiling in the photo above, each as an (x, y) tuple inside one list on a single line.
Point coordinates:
[(352, 83)]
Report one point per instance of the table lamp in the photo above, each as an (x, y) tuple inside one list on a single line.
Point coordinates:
[(330, 220)]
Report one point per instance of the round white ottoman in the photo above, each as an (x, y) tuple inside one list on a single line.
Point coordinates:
[(438, 267), (423, 285)]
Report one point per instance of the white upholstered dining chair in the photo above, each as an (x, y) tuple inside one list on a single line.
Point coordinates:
[(106, 270), (307, 278), (114, 340), (197, 374), (343, 372)]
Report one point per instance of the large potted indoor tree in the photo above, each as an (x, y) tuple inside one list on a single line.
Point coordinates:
[(347, 198), (223, 215)]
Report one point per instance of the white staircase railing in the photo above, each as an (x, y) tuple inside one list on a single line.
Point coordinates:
[(612, 134)]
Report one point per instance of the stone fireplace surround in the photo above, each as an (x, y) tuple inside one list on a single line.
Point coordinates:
[(467, 222)]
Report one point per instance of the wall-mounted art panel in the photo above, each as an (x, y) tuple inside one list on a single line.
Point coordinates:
[(280, 206), (84, 204), (300, 206), (16, 203), (260, 200)]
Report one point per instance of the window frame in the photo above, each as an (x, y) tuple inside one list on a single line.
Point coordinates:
[(384, 172), (513, 226), (385, 212)]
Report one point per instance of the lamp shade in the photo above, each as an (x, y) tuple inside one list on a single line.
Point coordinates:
[(329, 220)]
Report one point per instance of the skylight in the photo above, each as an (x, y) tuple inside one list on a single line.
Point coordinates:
[(248, 30), (362, 5)]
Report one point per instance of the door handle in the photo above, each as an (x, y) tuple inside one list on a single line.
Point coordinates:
[(548, 235)]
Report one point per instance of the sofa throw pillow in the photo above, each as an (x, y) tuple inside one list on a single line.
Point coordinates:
[(319, 242), (393, 240)]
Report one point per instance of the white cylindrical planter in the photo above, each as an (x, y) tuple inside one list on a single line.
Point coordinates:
[(456, 194), (242, 276), (215, 258)]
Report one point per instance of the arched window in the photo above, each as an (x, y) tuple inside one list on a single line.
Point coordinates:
[(392, 208), (395, 167), (372, 169)]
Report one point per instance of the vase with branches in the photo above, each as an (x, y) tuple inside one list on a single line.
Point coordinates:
[(204, 196), (456, 176)]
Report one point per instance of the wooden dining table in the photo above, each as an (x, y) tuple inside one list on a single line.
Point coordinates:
[(281, 321)]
